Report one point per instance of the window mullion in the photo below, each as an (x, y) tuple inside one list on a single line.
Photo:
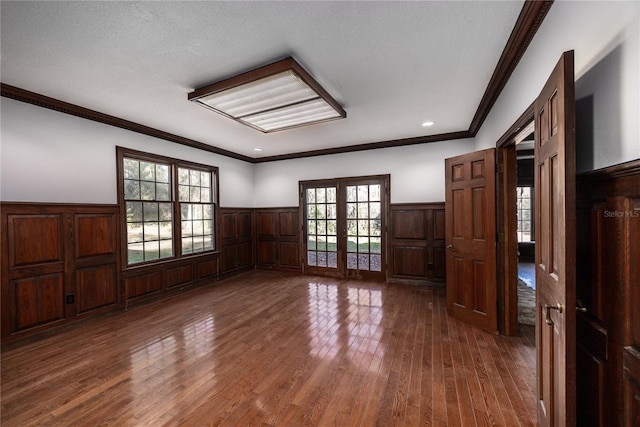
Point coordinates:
[(177, 219)]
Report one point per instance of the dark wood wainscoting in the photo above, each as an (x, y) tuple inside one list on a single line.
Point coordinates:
[(278, 238), (60, 263), (161, 280), (416, 243), (236, 239), (608, 282)]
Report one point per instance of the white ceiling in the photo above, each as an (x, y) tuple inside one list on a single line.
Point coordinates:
[(391, 64)]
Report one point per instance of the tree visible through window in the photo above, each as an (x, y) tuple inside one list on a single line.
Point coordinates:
[(154, 219), (525, 214)]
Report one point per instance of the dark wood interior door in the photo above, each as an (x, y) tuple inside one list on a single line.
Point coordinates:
[(470, 229), (555, 217)]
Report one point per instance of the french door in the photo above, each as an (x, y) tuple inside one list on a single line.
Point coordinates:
[(344, 223)]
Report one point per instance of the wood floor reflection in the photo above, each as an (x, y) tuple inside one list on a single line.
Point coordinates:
[(273, 349)]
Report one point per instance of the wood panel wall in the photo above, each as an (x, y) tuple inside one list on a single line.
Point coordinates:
[(608, 283), (236, 239), (278, 238), (416, 243), (60, 263), (161, 280)]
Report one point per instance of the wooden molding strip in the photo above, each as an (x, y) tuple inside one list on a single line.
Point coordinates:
[(523, 122), (531, 17), (529, 20), (621, 170), (75, 110), (370, 146)]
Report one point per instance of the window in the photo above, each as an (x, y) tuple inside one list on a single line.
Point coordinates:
[(154, 218), (525, 214), (148, 209), (196, 210)]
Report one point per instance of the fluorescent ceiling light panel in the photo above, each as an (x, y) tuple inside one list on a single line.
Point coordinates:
[(278, 96)]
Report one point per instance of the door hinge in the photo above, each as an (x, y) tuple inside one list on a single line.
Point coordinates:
[(500, 237), (500, 167)]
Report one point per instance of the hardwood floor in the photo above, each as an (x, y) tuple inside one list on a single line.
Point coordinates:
[(274, 349)]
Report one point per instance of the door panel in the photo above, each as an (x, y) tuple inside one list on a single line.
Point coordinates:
[(321, 229), (364, 228), (554, 112), (470, 230)]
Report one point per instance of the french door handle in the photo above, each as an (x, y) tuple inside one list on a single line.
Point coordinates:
[(548, 308), (451, 248)]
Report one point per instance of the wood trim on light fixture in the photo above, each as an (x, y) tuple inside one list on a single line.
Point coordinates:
[(287, 64)]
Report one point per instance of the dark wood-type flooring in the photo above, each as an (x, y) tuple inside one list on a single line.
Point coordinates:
[(272, 349)]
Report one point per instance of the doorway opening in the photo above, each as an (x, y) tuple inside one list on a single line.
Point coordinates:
[(525, 232), (516, 247)]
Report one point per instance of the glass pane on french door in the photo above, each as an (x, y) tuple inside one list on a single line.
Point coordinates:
[(364, 227), (322, 230)]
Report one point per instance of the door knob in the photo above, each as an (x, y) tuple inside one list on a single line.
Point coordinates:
[(451, 248), (548, 308), (580, 307)]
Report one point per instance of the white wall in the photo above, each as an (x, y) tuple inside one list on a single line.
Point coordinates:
[(417, 172), (606, 39), (48, 156)]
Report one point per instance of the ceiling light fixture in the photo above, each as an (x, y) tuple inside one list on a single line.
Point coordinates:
[(427, 124), (279, 96)]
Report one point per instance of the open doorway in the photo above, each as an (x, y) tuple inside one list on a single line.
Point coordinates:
[(525, 230), (516, 241)]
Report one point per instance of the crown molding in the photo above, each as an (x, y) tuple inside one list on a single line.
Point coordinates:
[(531, 16), (29, 97)]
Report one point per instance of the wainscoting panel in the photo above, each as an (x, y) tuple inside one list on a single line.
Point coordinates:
[(59, 263), (416, 243), (35, 240), (236, 239), (277, 239), (96, 287), (608, 273), (95, 235), (37, 300), (207, 268), (143, 284), (267, 253), (179, 275)]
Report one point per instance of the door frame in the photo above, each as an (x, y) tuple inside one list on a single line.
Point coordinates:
[(507, 247), (342, 270)]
